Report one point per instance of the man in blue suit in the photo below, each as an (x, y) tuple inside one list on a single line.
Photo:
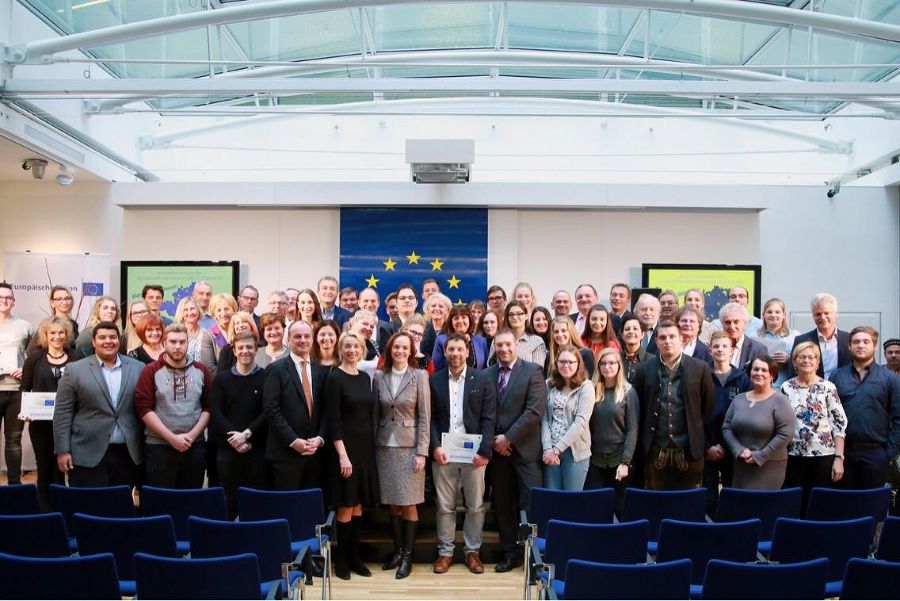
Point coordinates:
[(327, 291)]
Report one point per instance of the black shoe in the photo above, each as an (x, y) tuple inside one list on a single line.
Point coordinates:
[(508, 565), (405, 564)]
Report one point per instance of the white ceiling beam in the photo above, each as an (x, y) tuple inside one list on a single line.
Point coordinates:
[(27, 88), (34, 52)]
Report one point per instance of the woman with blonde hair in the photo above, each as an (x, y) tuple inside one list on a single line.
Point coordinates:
[(565, 436), (41, 372), (437, 310), (695, 298), (562, 334), (105, 308), (614, 427), (524, 293), (351, 405), (222, 307), (240, 322), (61, 304), (775, 327), (201, 344), (137, 310)]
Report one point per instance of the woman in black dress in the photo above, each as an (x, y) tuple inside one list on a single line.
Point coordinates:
[(351, 407), (41, 373)]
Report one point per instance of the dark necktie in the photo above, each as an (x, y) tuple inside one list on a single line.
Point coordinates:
[(504, 380)]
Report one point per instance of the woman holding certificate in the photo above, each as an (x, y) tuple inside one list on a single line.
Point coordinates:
[(41, 373), (401, 443)]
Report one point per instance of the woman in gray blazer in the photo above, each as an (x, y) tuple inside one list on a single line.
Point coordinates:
[(401, 443), (565, 436)]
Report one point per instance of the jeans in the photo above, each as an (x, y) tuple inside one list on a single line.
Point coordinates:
[(10, 407), (568, 475)]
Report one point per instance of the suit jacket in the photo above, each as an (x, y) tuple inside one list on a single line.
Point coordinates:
[(651, 346), (696, 390), (843, 350), (286, 409), (479, 408), (701, 353), (84, 418), (383, 333), (406, 415), (520, 408), (341, 315), (750, 351), (618, 320)]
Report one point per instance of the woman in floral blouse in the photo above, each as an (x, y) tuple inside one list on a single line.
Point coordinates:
[(816, 454)]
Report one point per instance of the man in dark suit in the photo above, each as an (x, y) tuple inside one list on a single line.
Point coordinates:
[(293, 401), (734, 318), (619, 301), (463, 401), (248, 299), (97, 434), (834, 344), (676, 395), (516, 462), (327, 291), (647, 310)]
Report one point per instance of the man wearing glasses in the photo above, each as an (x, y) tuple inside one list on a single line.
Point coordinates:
[(247, 299), (496, 298), (741, 296), (14, 336), (407, 301)]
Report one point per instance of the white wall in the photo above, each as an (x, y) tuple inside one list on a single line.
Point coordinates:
[(806, 243)]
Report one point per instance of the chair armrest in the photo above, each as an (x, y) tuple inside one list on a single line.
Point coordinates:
[(274, 591), (326, 529), (550, 593), (298, 560)]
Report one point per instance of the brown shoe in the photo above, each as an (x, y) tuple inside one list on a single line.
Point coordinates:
[(473, 562), (442, 564)]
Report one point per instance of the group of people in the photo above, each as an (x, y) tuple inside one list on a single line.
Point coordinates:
[(318, 392)]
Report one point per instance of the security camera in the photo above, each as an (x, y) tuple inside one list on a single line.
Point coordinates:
[(833, 191), (65, 177), (36, 166)]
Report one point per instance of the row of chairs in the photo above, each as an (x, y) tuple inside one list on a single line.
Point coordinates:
[(303, 509), (673, 526), (278, 529), (597, 507), (862, 579)]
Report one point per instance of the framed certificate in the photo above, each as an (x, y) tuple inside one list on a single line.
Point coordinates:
[(9, 360), (460, 448), (38, 406)]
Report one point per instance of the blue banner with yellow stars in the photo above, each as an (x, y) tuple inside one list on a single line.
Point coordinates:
[(384, 248)]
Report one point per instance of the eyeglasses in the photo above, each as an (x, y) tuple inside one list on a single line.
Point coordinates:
[(415, 333), (136, 313), (566, 362), (62, 299), (515, 314), (7, 298), (609, 364), (496, 297)]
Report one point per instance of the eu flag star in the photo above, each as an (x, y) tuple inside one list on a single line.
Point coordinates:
[(372, 281), (413, 258), (436, 264), (454, 283), (389, 264)]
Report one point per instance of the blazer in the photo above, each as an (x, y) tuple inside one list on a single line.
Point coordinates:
[(701, 352), (750, 351), (84, 419), (406, 415), (843, 344), (479, 408), (383, 333), (341, 315), (520, 408), (696, 389), (479, 346), (286, 410)]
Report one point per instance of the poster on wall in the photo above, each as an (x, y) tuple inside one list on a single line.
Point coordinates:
[(33, 274), (383, 248), (714, 280), (177, 279)]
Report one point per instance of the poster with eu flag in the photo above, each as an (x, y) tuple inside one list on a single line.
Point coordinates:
[(384, 248)]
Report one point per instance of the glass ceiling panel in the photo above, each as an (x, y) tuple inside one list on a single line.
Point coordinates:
[(575, 28), (316, 35), (435, 26)]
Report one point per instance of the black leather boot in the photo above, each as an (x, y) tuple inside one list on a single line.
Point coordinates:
[(354, 559), (397, 534), (406, 552), (342, 550)]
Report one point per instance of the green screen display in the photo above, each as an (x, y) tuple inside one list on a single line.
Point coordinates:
[(177, 279)]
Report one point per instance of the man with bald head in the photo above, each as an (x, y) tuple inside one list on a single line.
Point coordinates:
[(585, 298), (370, 301), (561, 303), (294, 403)]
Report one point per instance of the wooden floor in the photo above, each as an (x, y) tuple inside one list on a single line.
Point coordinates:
[(457, 584)]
